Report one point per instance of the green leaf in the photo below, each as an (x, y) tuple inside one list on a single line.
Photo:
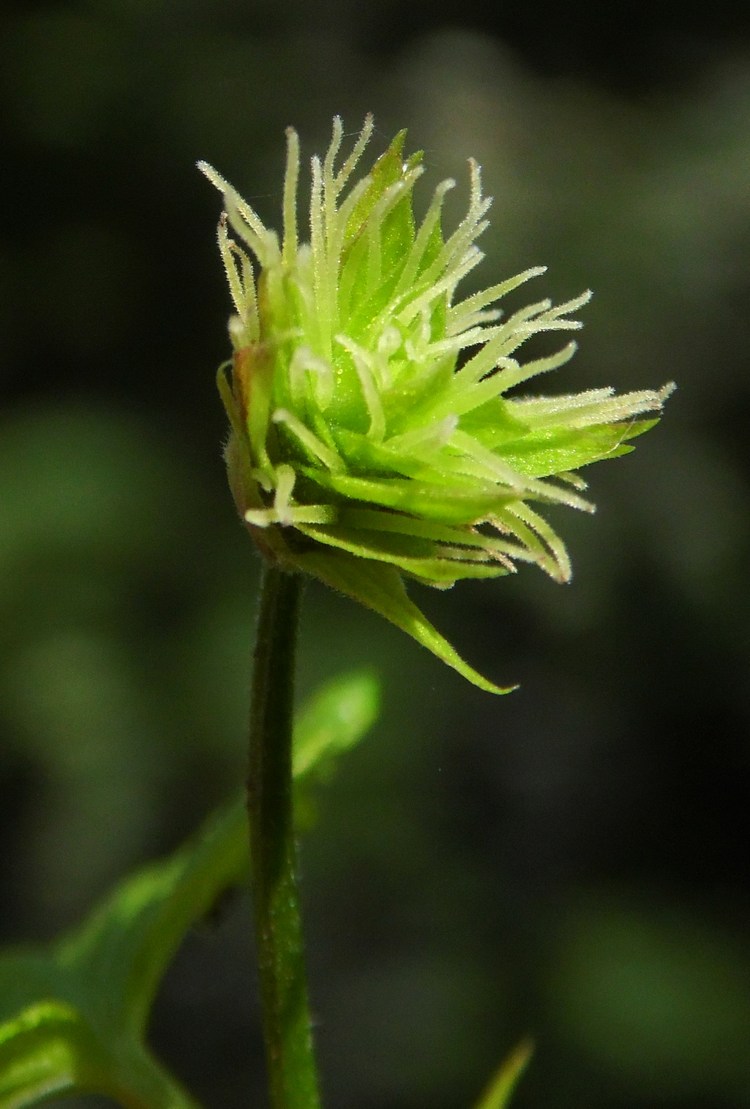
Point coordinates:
[(380, 588), (333, 721), (73, 1014), (131, 938), (50, 1048), (499, 1092)]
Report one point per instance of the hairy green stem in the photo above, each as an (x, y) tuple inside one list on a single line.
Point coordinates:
[(292, 1073)]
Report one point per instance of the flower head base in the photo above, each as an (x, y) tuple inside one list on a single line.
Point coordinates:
[(372, 434)]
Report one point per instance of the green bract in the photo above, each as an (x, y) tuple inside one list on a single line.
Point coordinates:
[(372, 435)]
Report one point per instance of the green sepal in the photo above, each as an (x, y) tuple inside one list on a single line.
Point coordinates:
[(379, 587), (544, 454), (416, 557), (464, 502), (388, 169), (253, 380), (361, 299), (494, 423)]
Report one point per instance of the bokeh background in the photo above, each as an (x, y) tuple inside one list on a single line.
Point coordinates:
[(570, 861)]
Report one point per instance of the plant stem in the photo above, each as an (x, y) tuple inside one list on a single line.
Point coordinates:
[(292, 1073)]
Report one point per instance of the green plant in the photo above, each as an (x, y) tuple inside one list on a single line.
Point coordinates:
[(360, 451), (375, 436)]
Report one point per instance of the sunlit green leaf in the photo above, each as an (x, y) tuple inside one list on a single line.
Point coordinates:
[(500, 1090)]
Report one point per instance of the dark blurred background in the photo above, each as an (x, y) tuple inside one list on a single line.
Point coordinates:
[(570, 861)]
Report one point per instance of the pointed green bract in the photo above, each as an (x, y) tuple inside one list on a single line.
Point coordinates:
[(360, 379), (379, 587)]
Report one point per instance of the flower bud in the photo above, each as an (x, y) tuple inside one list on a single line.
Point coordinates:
[(376, 431)]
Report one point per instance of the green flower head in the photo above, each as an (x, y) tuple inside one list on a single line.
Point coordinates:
[(373, 434)]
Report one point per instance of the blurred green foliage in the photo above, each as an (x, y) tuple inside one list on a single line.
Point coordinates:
[(74, 1014), (569, 863)]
